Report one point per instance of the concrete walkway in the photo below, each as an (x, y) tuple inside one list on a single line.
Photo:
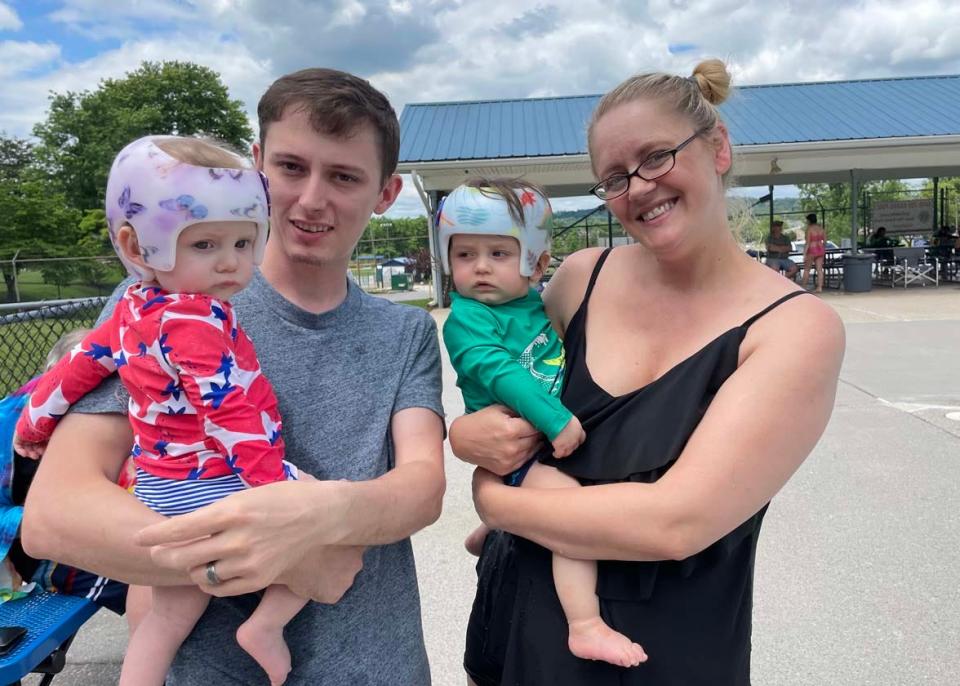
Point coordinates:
[(857, 580)]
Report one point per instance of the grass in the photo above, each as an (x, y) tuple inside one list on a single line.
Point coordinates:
[(422, 303), (23, 350), (32, 288)]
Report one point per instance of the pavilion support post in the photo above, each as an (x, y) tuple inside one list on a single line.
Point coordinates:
[(436, 268), (770, 193), (936, 192), (854, 196)]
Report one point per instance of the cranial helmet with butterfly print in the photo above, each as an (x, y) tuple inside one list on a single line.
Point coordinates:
[(160, 196)]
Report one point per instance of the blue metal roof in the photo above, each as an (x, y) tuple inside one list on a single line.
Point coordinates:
[(755, 115)]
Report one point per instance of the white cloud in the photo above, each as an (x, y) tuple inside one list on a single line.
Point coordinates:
[(24, 101), (9, 21), (428, 50), (99, 21), (17, 57)]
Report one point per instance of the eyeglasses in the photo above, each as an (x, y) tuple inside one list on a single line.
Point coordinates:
[(653, 167)]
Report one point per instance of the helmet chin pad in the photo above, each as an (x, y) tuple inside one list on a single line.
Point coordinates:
[(160, 196)]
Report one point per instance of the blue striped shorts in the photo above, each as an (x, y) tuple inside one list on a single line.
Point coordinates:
[(172, 497)]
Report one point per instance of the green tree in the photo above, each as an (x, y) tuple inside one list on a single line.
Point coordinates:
[(951, 213), (394, 236), (834, 199), (84, 131), (35, 218)]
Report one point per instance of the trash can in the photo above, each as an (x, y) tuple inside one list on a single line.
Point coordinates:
[(399, 282), (857, 272)]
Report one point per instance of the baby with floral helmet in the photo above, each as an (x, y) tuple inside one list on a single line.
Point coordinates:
[(494, 238), (190, 220)]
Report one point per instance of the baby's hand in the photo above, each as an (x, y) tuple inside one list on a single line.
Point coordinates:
[(568, 439), (28, 448)]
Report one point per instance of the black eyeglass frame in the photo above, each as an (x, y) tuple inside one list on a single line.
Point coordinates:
[(636, 172)]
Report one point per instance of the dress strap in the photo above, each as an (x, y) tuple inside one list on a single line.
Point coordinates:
[(596, 272), (779, 302)]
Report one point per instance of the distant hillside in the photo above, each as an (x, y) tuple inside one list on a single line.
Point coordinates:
[(780, 205)]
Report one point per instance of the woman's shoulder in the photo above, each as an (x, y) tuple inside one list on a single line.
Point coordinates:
[(576, 268), (566, 288), (793, 316)]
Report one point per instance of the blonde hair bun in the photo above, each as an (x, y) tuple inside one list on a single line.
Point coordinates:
[(713, 79)]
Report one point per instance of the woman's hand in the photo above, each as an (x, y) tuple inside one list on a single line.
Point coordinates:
[(486, 486), (494, 438), (253, 537)]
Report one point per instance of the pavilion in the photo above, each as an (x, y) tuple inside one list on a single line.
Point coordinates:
[(783, 134)]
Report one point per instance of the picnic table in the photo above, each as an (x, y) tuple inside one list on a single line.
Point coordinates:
[(51, 621)]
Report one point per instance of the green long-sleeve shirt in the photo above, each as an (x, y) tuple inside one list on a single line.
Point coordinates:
[(508, 354)]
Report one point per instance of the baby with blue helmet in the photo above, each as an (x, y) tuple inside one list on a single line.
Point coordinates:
[(190, 220), (494, 240)]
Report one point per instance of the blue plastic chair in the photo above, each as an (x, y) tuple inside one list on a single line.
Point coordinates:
[(51, 620)]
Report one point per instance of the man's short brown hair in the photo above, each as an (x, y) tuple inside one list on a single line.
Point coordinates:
[(337, 103)]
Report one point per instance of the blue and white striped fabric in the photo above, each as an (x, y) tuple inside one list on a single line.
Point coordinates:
[(172, 497)]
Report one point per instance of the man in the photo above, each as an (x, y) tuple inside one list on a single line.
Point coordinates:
[(879, 239), (778, 251), (358, 381)]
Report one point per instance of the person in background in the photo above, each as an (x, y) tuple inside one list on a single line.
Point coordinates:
[(879, 239), (778, 251), (814, 251), (16, 475)]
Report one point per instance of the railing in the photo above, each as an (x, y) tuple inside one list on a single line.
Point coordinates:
[(29, 330)]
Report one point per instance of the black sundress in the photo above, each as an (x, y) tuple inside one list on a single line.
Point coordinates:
[(693, 617)]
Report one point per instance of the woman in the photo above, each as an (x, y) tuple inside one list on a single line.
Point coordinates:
[(671, 345), (814, 251)]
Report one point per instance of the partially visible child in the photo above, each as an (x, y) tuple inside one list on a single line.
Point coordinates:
[(191, 220), (16, 476), (495, 242)]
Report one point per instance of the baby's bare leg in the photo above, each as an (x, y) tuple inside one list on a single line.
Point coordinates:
[(576, 583), (262, 634), (475, 539), (139, 600), (158, 636)]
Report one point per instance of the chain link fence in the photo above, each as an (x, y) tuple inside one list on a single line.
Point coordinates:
[(27, 335)]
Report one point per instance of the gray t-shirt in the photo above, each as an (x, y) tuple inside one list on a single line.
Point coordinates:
[(339, 377)]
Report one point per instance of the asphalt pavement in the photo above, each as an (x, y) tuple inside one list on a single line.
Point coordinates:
[(857, 580)]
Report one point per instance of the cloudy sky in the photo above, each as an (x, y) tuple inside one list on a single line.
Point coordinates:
[(431, 50)]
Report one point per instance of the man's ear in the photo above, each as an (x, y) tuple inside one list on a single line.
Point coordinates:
[(257, 155), (540, 268), (388, 194), (129, 247)]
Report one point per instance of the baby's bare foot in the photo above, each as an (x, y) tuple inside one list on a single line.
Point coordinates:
[(267, 647), (592, 639)]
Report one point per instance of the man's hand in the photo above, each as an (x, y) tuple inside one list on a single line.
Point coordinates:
[(252, 536), (494, 438), (326, 574)]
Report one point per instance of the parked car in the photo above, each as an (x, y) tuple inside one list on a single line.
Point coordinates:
[(798, 247)]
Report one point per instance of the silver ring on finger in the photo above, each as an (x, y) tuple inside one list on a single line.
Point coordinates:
[(212, 577)]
